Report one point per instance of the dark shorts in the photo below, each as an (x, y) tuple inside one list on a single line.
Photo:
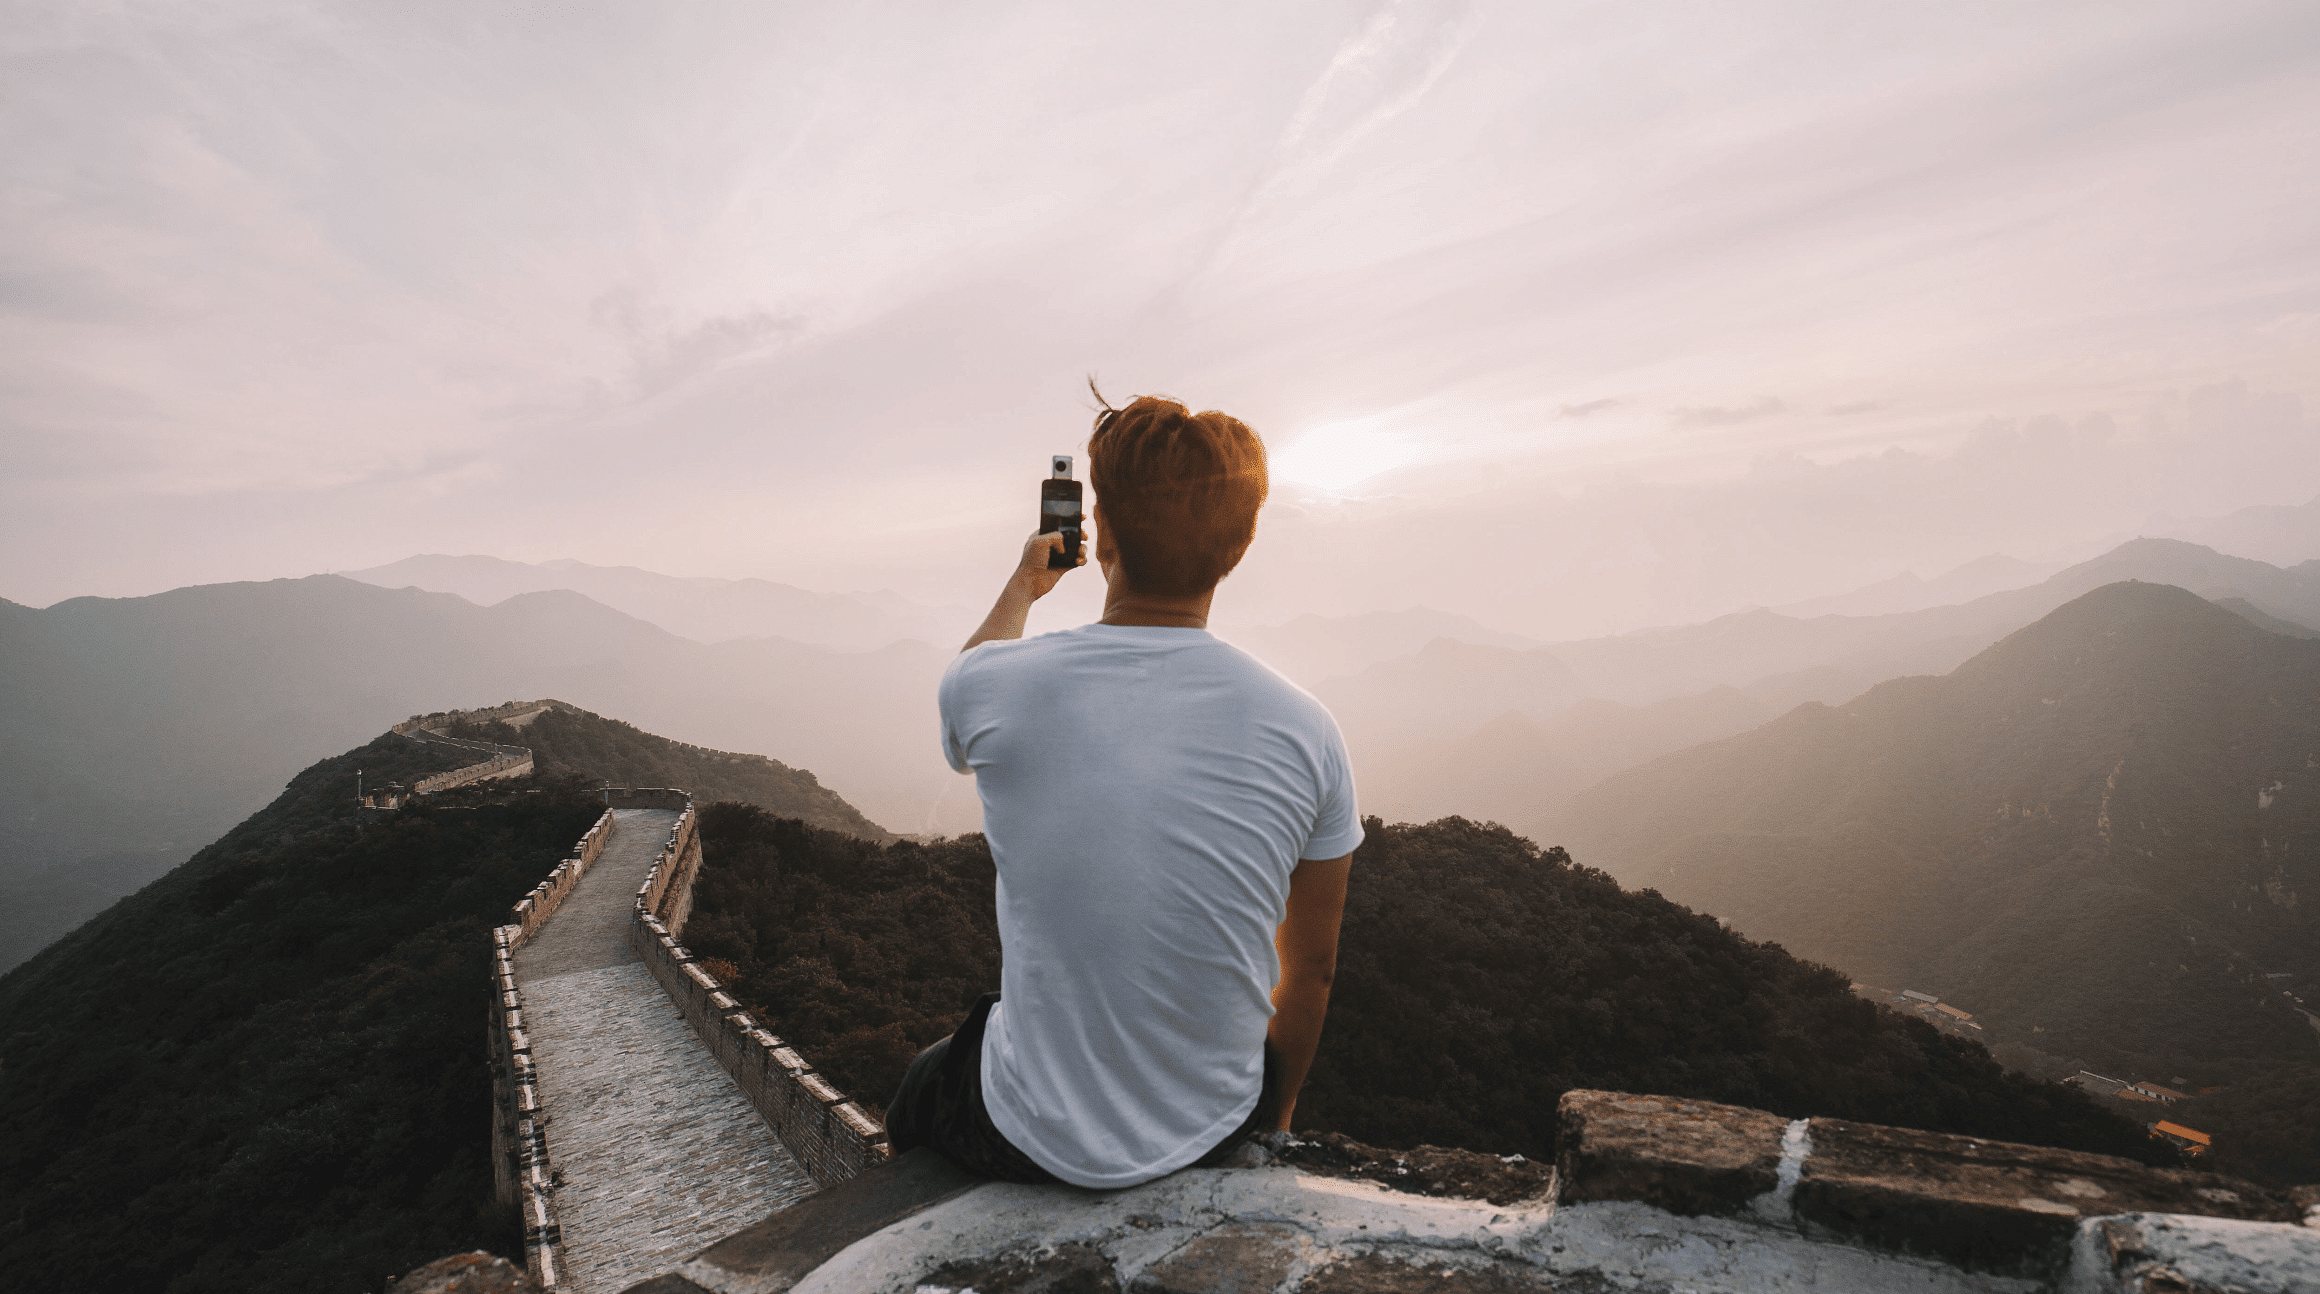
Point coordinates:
[(940, 1104)]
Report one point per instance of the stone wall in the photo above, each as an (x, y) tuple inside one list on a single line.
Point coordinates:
[(832, 1137), (1648, 1193), (520, 1170), (493, 760), (496, 766)]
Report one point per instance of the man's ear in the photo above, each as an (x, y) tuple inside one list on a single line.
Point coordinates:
[(1106, 552)]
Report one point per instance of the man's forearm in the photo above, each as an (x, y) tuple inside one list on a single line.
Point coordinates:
[(1299, 1006), (1008, 614)]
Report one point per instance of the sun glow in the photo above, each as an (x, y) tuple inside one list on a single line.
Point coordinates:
[(1336, 455)]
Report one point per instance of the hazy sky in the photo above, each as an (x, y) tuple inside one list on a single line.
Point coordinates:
[(1572, 317)]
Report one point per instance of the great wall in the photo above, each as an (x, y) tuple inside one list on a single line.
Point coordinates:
[(659, 1140)]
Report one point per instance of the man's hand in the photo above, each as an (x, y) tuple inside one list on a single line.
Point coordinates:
[(1033, 579)]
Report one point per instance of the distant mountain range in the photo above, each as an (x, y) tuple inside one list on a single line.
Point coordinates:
[(704, 610), (2283, 536), (132, 729), (2097, 834), (1981, 577), (1464, 729)]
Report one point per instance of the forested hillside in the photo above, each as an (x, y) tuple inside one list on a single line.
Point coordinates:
[(265, 1071), (2100, 835), (1479, 979), (567, 740)]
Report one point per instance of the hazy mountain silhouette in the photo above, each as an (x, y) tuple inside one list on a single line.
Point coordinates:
[(2097, 830), (2283, 536), (134, 729), (704, 610), (1905, 592), (1432, 732), (1518, 770), (1830, 658), (1313, 649)]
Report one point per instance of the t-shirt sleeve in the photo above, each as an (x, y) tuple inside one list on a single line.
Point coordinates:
[(1337, 823), (950, 699)]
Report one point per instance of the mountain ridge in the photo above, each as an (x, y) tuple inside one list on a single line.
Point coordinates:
[(2053, 829)]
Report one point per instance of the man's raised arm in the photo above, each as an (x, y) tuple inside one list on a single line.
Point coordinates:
[(1307, 944), (1031, 581)]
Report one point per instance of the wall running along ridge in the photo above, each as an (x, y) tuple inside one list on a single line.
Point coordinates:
[(831, 1136), (521, 1174)]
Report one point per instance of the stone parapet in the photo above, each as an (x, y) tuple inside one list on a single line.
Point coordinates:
[(520, 1170), (510, 765), (1652, 1204), (831, 1136), (1981, 1206), (533, 910)]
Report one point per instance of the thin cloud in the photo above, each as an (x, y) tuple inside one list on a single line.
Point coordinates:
[(1724, 415), (1858, 406), (1589, 408)]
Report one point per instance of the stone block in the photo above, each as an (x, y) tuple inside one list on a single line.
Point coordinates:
[(819, 1089), (1991, 1205), (858, 1121), (1688, 1157), (1230, 1260), (788, 1059), (2142, 1253)]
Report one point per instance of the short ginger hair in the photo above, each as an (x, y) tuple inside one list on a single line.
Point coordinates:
[(1179, 490)]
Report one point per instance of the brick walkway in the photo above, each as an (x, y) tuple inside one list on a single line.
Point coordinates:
[(658, 1152)]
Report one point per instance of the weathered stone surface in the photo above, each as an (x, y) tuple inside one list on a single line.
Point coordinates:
[(1992, 1205), (2306, 1201), (1234, 1260), (1587, 1247), (1377, 1273), (778, 1250), (2140, 1253), (1063, 1269), (656, 1150), (1427, 1170), (1687, 1157), (471, 1273)]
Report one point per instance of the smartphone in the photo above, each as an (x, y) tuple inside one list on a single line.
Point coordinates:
[(1059, 510)]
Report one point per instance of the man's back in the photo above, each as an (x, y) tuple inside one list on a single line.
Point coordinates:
[(1147, 792)]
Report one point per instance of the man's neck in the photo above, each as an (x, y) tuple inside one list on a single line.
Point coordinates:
[(1127, 606)]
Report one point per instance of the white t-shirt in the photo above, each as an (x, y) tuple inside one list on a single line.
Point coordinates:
[(1146, 793)]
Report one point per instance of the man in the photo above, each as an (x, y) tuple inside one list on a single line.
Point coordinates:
[(1173, 825)]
